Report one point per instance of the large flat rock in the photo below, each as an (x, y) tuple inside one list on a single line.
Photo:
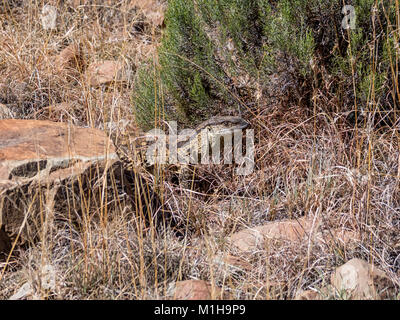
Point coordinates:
[(48, 167), (29, 148)]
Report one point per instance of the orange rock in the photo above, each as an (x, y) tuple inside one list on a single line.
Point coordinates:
[(103, 72), (22, 140), (291, 230), (41, 162), (194, 290)]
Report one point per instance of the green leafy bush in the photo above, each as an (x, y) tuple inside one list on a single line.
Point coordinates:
[(148, 96), (217, 56)]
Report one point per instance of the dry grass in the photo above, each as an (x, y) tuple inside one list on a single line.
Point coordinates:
[(307, 164)]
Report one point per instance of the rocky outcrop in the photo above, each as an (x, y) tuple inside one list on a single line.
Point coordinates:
[(359, 280), (48, 168)]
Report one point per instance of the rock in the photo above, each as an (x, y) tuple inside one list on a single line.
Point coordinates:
[(359, 280), (50, 169), (47, 166), (291, 230), (69, 56), (5, 112), (194, 290), (103, 72), (23, 292), (24, 141)]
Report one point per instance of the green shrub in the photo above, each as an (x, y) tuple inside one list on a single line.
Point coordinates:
[(147, 96), (216, 53), (186, 58)]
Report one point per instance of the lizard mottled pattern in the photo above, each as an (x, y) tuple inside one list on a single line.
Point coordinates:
[(215, 126)]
